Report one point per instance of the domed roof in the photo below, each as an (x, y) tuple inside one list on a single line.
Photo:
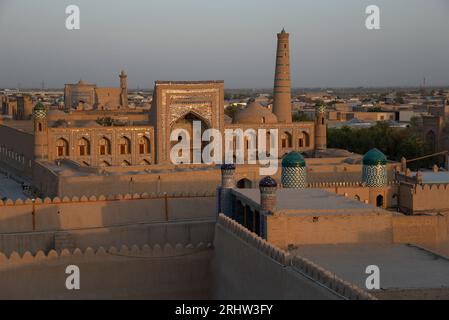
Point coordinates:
[(268, 182), (39, 107), (320, 108), (254, 113), (228, 166), (374, 157), (293, 159)]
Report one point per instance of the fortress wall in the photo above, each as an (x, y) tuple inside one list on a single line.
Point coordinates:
[(21, 145), (197, 181), (45, 181), (149, 233), (168, 180), (422, 230), (428, 197), (137, 272), (244, 266), (284, 230), (93, 212), (362, 193)]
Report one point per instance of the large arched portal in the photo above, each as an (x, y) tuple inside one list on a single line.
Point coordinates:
[(187, 123)]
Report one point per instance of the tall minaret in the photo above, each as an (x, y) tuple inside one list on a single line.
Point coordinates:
[(123, 90), (282, 105), (40, 132), (320, 127)]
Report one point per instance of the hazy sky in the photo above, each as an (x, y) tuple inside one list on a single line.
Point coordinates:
[(230, 40)]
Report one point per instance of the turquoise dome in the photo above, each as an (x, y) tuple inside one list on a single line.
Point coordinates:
[(39, 107), (293, 159), (374, 157)]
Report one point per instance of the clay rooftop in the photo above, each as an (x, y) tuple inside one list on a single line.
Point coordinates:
[(309, 201), (434, 177), (401, 266)]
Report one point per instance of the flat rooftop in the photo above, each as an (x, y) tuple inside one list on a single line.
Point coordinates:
[(310, 201), (434, 177), (401, 266), (20, 125)]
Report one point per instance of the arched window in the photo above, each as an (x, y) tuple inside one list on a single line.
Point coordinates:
[(286, 140), (83, 147), (357, 197), (125, 163), (40, 127), (62, 148), (125, 145), (144, 145), (104, 146), (304, 140)]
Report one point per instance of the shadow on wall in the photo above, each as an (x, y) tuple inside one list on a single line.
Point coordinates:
[(170, 212), (173, 181), (146, 272)]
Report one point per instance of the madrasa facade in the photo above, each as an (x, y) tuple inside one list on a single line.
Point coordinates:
[(96, 132)]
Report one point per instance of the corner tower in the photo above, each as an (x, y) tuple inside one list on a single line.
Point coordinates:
[(282, 105), (40, 132)]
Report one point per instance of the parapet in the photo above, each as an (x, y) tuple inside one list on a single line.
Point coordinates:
[(111, 197), (297, 263), (145, 252)]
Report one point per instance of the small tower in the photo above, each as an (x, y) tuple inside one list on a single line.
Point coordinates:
[(224, 199), (374, 169), (267, 187), (123, 90), (294, 171), (282, 104), (403, 164), (320, 128), (40, 132)]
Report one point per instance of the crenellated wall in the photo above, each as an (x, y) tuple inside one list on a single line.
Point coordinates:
[(136, 272), (428, 198), (421, 229), (246, 266), (102, 211)]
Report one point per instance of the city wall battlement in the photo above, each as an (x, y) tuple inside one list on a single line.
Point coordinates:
[(112, 197), (54, 214), (230, 236), (167, 250), (164, 271), (344, 184)]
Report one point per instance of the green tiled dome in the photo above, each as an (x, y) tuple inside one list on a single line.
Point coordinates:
[(374, 157), (39, 107), (39, 111), (293, 159), (320, 108)]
